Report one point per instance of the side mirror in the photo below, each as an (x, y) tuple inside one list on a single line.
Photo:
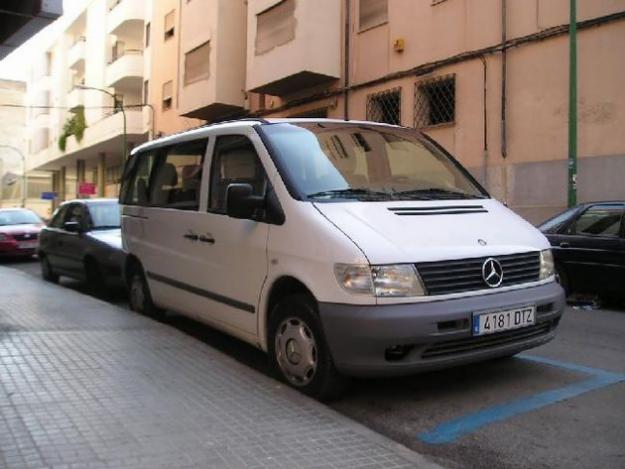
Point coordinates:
[(240, 201), (72, 226)]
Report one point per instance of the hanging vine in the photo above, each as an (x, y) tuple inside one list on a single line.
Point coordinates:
[(74, 125)]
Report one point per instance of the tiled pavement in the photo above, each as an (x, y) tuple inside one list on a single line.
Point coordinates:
[(87, 384)]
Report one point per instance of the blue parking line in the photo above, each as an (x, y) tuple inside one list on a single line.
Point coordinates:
[(448, 432)]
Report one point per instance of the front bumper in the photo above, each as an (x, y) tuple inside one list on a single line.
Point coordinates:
[(387, 340)]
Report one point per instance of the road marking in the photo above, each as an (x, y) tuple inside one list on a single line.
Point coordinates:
[(451, 430)]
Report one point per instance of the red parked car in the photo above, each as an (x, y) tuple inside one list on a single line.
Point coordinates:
[(19, 232)]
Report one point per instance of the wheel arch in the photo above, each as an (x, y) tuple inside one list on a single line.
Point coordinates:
[(131, 263), (280, 288)]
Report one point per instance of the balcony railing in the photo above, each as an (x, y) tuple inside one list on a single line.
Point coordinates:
[(126, 18), (126, 68), (76, 54)]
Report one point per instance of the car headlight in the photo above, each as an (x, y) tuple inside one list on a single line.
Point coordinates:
[(546, 264), (380, 280)]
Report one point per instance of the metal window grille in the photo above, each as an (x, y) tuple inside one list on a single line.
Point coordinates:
[(385, 107), (435, 101)]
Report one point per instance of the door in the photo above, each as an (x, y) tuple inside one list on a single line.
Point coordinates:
[(71, 245), (590, 248), (237, 259)]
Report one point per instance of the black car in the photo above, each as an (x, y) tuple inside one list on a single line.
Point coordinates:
[(83, 241), (589, 248)]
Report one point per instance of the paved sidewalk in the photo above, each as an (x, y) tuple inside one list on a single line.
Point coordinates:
[(87, 384)]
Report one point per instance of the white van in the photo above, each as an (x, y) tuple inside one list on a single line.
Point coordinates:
[(341, 248)]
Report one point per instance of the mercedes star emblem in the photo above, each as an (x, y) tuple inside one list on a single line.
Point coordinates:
[(492, 272)]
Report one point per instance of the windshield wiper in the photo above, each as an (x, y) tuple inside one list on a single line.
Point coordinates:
[(349, 192), (432, 192)]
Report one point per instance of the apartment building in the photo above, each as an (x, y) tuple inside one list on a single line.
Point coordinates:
[(13, 147), (85, 94), (487, 79)]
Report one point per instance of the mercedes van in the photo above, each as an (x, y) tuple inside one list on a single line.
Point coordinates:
[(340, 248)]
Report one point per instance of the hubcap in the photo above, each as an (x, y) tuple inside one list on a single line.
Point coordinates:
[(296, 351), (137, 296)]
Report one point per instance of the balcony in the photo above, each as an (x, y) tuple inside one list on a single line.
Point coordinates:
[(76, 55), (126, 71), (126, 18), (75, 98), (212, 46), (292, 45)]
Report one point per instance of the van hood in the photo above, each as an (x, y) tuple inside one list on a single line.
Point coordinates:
[(423, 231)]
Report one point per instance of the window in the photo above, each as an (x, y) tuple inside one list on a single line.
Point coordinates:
[(275, 26), (435, 102), (235, 161), (196, 63), (148, 28), (385, 107), (104, 215), (135, 185), (372, 13), (58, 217), (76, 213), (553, 225), (598, 220), (146, 91), (113, 174), (175, 182), (170, 19), (168, 89)]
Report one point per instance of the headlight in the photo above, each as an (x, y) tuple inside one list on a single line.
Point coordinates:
[(546, 264), (382, 280)]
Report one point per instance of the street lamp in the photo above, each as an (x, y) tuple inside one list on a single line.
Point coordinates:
[(121, 107), (19, 152)]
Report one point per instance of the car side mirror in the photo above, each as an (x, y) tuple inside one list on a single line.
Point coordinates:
[(240, 201), (72, 226)]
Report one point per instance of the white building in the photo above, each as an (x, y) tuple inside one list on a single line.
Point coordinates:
[(94, 65)]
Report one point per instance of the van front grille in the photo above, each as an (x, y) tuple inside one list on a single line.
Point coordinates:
[(462, 275)]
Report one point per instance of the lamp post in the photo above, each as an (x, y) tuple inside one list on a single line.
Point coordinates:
[(24, 182), (121, 107), (572, 179)]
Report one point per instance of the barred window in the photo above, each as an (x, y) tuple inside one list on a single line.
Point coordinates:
[(385, 107), (275, 26), (435, 101), (196, 63), (372, 13)]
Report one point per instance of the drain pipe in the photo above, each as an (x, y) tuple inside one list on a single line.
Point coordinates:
[(485, 150), (346, 59), (504, 54)]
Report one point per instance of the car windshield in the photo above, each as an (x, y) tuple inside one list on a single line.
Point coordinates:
[(18, 217), (105, 215), (327, 161)]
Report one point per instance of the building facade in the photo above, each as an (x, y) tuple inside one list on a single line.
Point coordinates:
[(487, 79), (85, 93)]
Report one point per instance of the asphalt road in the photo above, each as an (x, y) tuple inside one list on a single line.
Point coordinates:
[(561, 405)]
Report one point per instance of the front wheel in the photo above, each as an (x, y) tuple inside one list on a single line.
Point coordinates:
[(46, 270), (140, 298), (298, 349)]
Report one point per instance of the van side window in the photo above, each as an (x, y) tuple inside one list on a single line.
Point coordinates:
[(234, 161), (176, 179), (135, 190)]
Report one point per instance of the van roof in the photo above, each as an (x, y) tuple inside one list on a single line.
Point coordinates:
[(247, 122)]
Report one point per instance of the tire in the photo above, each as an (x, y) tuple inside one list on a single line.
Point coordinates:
[(46, 270), (298, 350), (563, 279), (139, 296), (95, 278)]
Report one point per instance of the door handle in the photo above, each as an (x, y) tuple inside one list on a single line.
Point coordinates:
[(191, 236), (564, 244), (207, 239)]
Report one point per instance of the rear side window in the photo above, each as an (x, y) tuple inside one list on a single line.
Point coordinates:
[(176, 179), (599, 220), (235, 161), (135, 186)]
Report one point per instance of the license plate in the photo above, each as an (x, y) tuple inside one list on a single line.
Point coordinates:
[(498, 321), (27, 245)]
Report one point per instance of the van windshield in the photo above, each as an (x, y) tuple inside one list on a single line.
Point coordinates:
[(327, 161)]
